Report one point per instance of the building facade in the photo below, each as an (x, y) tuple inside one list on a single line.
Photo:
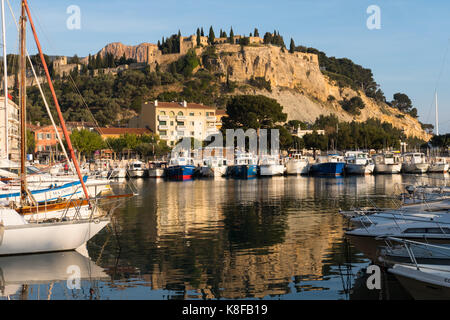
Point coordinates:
[(13, 134), (173, 121)]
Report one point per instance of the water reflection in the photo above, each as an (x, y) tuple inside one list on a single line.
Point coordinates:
[(20, 276), (263, 238)]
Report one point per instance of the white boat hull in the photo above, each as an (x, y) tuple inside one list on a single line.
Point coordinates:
[(213, 171), (48, 237), (423, 284), (438, 168), (156, 173), (136, 173), (415, 167), (297, 167), (271, 170), (359, 168), (388, 168), (118, 173)]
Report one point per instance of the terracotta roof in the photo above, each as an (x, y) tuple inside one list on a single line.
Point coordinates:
[(180, 105), (138, 131)]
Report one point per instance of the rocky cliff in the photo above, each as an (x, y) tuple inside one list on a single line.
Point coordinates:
[(296, 80)]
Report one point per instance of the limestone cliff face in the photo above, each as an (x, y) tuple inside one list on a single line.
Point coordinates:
[(139, 52), (301, 88), (296, 80)]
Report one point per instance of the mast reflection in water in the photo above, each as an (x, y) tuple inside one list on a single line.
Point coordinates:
[(277, 238)]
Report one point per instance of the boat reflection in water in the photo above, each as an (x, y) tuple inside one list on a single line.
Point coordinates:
[(278, 238), (264, 238), (21, 276)]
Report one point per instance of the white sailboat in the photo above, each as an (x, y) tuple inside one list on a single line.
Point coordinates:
[(69, 229)]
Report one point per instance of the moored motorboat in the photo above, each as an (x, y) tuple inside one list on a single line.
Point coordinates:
[(136, 169), (180, 169), (330, 165), (270, 165), (415, 162), (297, 164), (438, 165), (214, 167), (358, 162), (244, 167), (387, 163)]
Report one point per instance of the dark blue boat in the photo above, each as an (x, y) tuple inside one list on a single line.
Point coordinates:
[(331, 165), (180, 169), (245, 167)]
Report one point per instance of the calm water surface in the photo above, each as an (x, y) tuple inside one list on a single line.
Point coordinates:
[(273, 238)]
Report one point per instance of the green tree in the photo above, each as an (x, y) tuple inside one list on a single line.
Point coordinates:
[(31, 143), (401, 102), (86, 142), (231, 38), (247, 111), (292, 46), (256, 33), (211, 36)]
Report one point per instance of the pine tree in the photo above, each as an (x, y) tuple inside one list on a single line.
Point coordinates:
[(211, 37), (202, 33), (198, 37), (292, 46), (231, 39), (256, 32)]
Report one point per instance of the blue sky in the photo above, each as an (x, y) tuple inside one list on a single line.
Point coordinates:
[(405, 55)]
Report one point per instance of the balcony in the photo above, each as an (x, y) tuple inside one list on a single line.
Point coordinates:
[(211, 119), (181, 118), (164, 137), (163, 127), (211, 125), (163, 118), (181, 127)]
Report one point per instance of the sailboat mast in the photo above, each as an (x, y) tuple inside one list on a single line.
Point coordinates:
[(55, 99), (437, 116), (5, 81), (22, 91)]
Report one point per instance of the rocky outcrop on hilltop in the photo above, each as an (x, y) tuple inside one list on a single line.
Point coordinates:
[(296, 81)]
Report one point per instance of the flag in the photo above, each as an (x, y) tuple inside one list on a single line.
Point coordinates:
[(10, 97)]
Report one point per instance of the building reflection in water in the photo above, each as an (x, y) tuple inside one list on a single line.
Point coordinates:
[(280, 237)]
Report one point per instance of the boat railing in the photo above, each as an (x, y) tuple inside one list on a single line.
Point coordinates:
[(409, 244)]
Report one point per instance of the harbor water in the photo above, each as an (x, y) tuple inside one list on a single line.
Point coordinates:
[(268, 238)]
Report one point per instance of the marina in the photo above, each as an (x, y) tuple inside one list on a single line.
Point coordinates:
[(278, 238)]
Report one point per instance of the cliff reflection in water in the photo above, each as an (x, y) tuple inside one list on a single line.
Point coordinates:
[(239, 239)]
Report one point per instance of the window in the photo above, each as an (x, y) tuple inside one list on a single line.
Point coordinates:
[(163, 123), (191, 114), (49, 136), (180, 123), (171, 123), (191, 123), (162, 113), (172, 113), (180, 113), (192, 133)]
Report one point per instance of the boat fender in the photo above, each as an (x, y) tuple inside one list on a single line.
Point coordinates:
[(96, 221)]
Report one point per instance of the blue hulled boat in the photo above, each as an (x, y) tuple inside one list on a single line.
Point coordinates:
[(180, 169), (330, 165), (244, 167)]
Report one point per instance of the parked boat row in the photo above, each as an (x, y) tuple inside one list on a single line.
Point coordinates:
[(411, 242), (245, 165)]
